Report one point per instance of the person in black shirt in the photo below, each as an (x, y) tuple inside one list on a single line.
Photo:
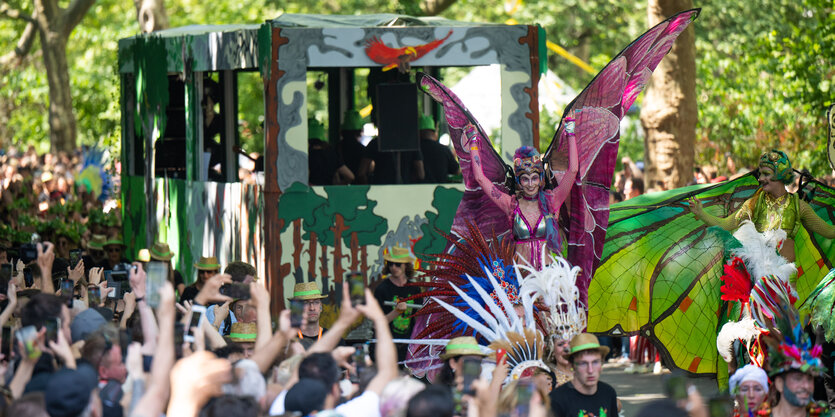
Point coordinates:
[(310, 331), (585, 395), (325, 167), (399, 268), (350, 147), (438, 161), (207, 267)]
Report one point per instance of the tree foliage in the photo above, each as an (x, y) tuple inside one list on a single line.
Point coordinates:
[(764, 66), (765, 70)]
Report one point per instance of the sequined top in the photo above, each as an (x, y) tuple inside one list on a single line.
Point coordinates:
[(529, 240), (769, 213), (522, 229)]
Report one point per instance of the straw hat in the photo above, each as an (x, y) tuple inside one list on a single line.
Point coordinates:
[(307, 291), (586, 341), (207, 263), (462, 346), (243, 332), (161, 252), (143, 256), (115, 240), (97, 242), (399, 254)]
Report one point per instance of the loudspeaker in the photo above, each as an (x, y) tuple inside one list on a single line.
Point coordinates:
[(397, 117)]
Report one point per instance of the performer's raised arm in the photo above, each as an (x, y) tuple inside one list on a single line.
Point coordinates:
[(560, 193), (496, 194), (728, 223)]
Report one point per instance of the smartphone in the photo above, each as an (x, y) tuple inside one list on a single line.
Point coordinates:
[(52, 326), (524, 392), (67, 289), (675, 387), (5, 277), (296, 313), (108, 275), (360, 353), (236, 291), (27, 336), (720, 406), (6, 343), (357, 290), (117, 288), (197, 316), (94, 296), (75, 256), (28, 278), (470, 370), (156, 276), (179, 337)]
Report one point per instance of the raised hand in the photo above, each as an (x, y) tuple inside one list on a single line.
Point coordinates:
[(137, 279), (569, 125), (95, 275), (211, 290), (76, 273)]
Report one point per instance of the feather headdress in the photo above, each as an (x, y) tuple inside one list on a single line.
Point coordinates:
[(555, 287)]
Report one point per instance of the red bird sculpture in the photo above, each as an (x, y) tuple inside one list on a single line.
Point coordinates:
[(399, 57)]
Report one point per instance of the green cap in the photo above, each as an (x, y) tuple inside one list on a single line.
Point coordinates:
[(426, 122), (315, 130), (352, 120)]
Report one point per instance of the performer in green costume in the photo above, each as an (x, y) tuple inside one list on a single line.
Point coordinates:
[(661, 267), (772, 206)]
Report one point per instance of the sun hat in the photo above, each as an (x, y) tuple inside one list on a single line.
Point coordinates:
[(207, 263), (161, 252), (243, 332), (307, 291), (586, 341), (462, 346), (115, 240), (398, 254), (97, 242), (144, 255)]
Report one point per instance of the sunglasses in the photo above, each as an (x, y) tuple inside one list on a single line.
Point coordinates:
[(400, 264)]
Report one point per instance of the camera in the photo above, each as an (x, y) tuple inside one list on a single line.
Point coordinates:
[(120, 271)]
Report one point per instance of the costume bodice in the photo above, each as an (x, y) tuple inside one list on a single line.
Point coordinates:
[(768, 213), (522, 229)]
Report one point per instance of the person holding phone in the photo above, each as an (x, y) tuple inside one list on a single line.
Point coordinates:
[(311, 297), (207, 267), (586, 394), (457, 349), (162, 253), (399, 269)]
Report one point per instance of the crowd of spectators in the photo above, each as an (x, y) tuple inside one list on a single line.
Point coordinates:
[(46, 197)]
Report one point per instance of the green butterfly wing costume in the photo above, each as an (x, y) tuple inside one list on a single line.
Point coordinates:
[(660, 273)]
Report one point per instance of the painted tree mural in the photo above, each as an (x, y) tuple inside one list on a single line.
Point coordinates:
[(445, 201), (296, 208)]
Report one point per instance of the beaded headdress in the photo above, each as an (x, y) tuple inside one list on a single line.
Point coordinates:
[(779, 162), (527, 161)]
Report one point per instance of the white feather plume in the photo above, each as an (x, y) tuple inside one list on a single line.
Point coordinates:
[(759, 252)]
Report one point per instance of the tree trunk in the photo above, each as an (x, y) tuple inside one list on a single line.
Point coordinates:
[(151, 15), (62, 123), (323, 266), (364, 263), (313, 245), (670, 112), (355, 247), (297, 244), (338, 229)]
